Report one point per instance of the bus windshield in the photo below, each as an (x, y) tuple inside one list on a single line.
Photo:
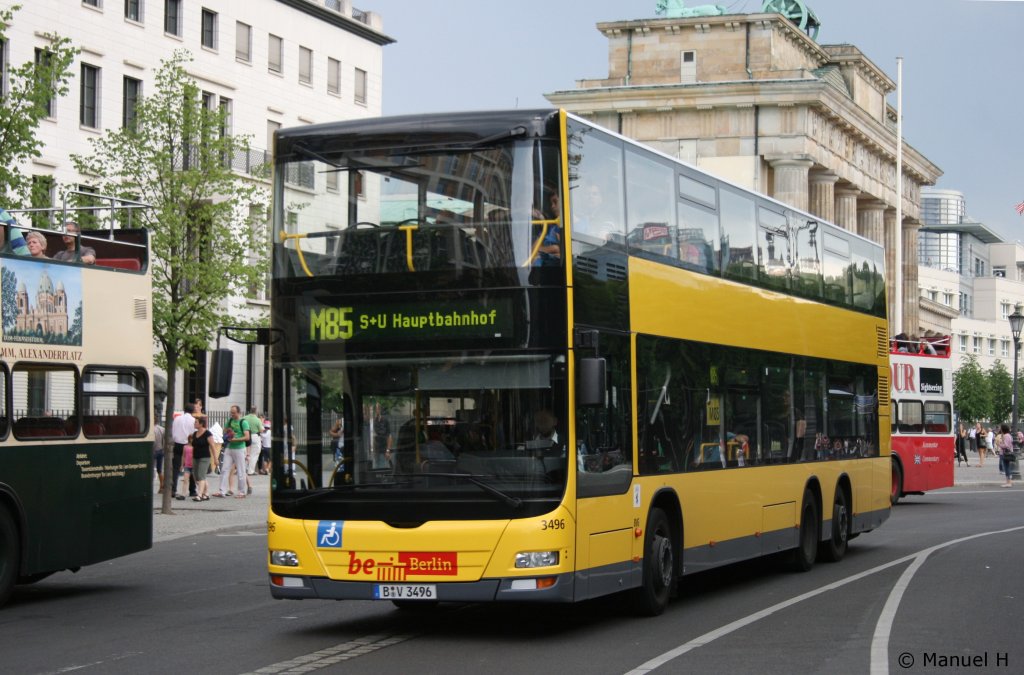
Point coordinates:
[(392, 208), (431, 431)]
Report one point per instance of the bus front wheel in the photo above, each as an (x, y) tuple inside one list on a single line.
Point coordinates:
[(659, 566), (10, 554), (802, 557), (897, 483)]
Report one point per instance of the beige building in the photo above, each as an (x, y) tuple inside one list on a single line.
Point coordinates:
[(751, 98)]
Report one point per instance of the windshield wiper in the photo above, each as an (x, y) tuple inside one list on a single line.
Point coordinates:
[(514, 502), (321, 493)]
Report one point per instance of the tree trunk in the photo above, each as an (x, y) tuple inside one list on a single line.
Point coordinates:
[(169, 477)]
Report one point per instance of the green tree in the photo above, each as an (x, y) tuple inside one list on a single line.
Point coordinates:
[(972, 393), (1000, 383), (175, 158), (31, 89), (9, 310)]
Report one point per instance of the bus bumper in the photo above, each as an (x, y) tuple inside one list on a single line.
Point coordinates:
[(284, 587)]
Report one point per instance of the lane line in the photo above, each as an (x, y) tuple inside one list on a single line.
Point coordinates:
[(711, 636), (329, 656)]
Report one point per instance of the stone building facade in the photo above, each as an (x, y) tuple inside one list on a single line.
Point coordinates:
[(268, 63), (752, 99)]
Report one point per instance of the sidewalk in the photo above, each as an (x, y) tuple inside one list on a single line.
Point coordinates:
[(972, 475), (227, 513)]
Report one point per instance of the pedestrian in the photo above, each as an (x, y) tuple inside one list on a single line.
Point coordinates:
[(979, 434), (158, 454), (972, 436), (265, 448), (183, 426), (237, 439), (990, 441), (1006, 454), (252, 453), (960, 444), (204, 455), (337, 433), (186, 473)]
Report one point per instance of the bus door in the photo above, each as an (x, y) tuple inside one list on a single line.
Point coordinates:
[(607, 510)]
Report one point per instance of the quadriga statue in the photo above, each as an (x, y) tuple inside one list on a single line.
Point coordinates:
[(677, 9)]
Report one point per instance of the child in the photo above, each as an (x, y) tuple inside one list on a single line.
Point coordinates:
[(186, 471)]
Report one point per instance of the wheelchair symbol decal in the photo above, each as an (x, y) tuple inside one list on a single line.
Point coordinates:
[(328, 533)]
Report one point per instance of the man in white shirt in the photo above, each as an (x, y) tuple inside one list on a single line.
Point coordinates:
[(182, 427)]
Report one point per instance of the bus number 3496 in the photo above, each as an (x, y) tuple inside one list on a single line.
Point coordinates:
[(553, 524)]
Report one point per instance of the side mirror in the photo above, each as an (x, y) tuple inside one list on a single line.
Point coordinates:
[(592, 382), (220, 373)]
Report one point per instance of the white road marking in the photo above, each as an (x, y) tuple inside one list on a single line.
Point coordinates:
[(329, 656), (880, 641)]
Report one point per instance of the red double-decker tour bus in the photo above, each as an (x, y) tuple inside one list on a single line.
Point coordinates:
[(922, 415)]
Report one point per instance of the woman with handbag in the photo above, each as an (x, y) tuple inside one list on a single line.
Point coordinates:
[(1006, 455), (204, 455)]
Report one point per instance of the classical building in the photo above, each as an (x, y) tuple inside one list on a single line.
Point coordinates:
[(753, 99), (269, 63)]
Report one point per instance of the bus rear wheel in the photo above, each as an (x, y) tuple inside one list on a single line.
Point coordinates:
[(802, 557), (10, 554), (659, 566), (896, 491), (835, 547)]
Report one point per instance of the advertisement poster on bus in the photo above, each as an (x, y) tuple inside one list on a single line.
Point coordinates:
[(41, 303)]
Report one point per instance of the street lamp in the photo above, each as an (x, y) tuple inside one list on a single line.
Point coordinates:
[(1016, 324)]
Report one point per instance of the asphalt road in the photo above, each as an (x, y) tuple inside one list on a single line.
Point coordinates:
[(937, 586)]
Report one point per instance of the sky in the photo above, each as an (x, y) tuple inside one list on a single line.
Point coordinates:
[(963, 71)]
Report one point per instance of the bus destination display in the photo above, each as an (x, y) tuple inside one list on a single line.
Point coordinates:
[(463, 319)]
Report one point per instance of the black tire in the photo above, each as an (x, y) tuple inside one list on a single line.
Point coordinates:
[(835, 547), (659, 566), (802, 557), (10, 554), (896, 489)]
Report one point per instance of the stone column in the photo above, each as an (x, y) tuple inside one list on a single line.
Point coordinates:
[(791, 180), (911, 304), (892, 240), (846, 207), (823, 198), (870, 219)]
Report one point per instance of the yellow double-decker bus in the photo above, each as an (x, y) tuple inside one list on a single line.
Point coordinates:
[(76, 353), (517, 357)]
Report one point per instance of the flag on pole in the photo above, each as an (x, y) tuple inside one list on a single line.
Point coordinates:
[(1020, 208)]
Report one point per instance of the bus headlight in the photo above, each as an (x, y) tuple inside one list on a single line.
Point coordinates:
[(284, 558), (536, 559)]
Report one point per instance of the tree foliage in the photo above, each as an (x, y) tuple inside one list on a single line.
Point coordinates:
[(30, 89), (176, 158), (1000, 383), (972, 391)]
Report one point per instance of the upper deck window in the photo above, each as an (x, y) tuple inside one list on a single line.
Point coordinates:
[(452, 209)]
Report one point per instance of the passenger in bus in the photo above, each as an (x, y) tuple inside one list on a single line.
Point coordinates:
[(550, 251), (11, 238), (545, 426), (36, 245), (85, 254), (433, 450)]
